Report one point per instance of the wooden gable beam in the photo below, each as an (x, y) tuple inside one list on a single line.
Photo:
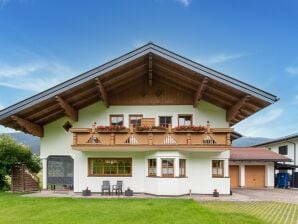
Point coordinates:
[(68, 109), (29, 126), (150, 70), (235, 109), (199, 92), (102, 92)]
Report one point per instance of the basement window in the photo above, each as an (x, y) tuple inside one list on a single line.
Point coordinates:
[(67, 125)]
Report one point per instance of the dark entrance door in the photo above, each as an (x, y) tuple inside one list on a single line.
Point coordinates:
[(60, 172)]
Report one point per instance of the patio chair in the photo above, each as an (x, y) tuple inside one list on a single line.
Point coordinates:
[(105, 187), (118, 187)]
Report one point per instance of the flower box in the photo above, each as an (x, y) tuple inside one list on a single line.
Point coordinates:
[(187, 129), (150, 129), (112, 128)]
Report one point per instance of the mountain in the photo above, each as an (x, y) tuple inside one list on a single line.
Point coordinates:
[(26, 139), (249, 141)]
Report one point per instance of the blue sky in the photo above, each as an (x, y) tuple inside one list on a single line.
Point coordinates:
[(43, 43)]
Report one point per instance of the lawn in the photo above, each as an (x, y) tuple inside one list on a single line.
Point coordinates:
[(17, 209), (270, 212)]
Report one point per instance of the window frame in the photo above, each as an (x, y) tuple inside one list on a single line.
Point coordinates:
[(217, 168), (181, 115), (184, 167), (135, 115), (283, 147), (167, 125), (151, 166), (116, 115), (109, 175), (167, 167)]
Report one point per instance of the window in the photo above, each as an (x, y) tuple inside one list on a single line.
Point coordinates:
[(109, 167), (283, 150), (167, 167), (217, 168), (152, 167), (164, 121), (182, 167), (184, 120), (135, 120), (67, 125), (116, 120)]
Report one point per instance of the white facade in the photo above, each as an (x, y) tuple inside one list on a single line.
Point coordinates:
[(57, 141), (274, 147)]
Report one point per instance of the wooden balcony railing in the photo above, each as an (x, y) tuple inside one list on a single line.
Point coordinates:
[(106, 137)]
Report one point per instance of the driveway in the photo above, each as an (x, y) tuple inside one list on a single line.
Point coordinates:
[(277, 195)]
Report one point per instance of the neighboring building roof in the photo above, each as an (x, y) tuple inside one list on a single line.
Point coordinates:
[(109, 79), (281, 139), (235, 135), (256, 154)]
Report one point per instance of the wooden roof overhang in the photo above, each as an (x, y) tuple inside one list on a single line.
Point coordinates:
[(143, 67)]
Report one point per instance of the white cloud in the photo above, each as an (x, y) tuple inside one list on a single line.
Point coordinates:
[(292, 70), (185, 3), (261, 125), (6, 130), (36, 76), (219, 58)]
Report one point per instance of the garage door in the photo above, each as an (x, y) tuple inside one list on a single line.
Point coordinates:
[(255, 176), (234, 175)]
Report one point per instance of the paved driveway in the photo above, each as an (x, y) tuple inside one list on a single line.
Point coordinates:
[(278, 195)]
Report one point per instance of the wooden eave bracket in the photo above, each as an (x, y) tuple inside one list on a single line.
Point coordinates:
[(68, 109), (29, 126), (102, 92), (200, 91), (235, 109)]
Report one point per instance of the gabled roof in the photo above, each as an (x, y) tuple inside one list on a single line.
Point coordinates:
[(256, 154), (281, 139), (149, 62)]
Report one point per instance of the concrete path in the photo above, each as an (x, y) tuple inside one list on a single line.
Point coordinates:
[(277, 195)]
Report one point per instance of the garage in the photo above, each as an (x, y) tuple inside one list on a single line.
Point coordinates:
[(234, 175), (252, 167), (255, 176)]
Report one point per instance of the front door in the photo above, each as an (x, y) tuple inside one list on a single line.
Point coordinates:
[(234, 175)]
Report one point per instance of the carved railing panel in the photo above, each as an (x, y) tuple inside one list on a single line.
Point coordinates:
[(162, 137)]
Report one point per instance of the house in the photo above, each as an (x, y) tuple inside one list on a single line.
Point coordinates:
[(286, 146), (159, 122)]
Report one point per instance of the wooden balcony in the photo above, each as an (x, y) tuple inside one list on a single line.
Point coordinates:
[(143, 139)]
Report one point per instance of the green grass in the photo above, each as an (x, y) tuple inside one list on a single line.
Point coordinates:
[(17, 209), (270, 212)]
